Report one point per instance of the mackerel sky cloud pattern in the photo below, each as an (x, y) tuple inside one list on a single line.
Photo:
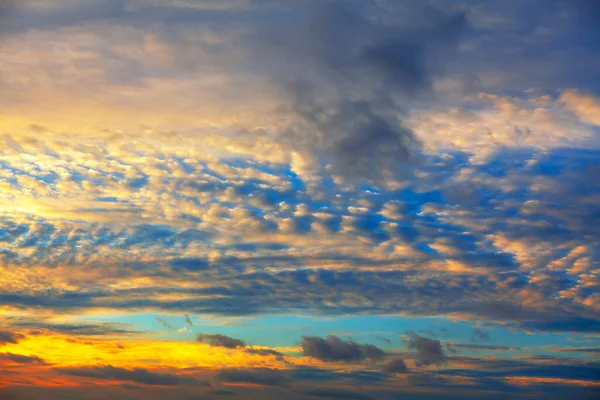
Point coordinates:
[(330, 199)]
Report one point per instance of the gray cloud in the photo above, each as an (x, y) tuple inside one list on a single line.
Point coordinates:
[(395, 366), (335, 393), (92, 329), (593, 350), (220, 340), (164, 323), (429, 351), (265, 352), (335, 349), (10, 337), (260, 376), (138, 375), (21, 359), (388, 341), (453, 346), (479, 334), (347, 68)]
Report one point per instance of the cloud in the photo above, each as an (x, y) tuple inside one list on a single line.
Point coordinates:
[(591, 350), (429, 351), (259, 376), (335, 393), (138, 375), (10, 337), (452, 346), (164, 323), (395, 366), (264, 352), (21, 359), (335, 349), (386, 340), (479, 334), (346, 69), (87, 329), (585, 106), (220, 340)]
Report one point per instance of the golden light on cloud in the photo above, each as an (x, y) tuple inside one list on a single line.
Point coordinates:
[(63, 351)]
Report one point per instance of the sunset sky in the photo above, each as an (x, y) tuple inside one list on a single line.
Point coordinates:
[(299, 199)]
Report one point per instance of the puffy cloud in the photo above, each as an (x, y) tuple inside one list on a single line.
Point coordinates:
[(586, 106), (429, 351), (490, 122), (395, 366), (348, 73), (335, 349)]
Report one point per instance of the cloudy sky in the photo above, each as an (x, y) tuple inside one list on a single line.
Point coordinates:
[(299, 199)]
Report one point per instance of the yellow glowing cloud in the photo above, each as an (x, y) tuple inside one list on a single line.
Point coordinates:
[(61, 350)]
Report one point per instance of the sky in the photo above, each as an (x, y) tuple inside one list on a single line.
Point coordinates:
[(299, 200)]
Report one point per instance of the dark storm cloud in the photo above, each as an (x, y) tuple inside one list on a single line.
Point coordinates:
[(21, 359), (395, 366), (347, 68), (429, 351), (10, 337), (335, 349), (220, 340), (260, 376), (138, 375)]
